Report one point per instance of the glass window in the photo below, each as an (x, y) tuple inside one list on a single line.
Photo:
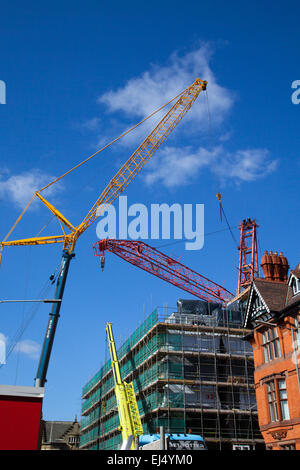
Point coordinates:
[(271, 345), (277, 400), (272, 401), (74, 440), (296, 286), (288, 447), (297, 326), (283, 399)]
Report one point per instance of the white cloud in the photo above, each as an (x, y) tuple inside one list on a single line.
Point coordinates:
[(90, 124), (3, 337), (29, 348), (140, 96), (177, 166), (225, 137), (181, 166), (245, 165), (20, 188)]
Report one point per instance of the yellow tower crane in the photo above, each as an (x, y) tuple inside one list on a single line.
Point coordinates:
[(129, 417), (112, 191)]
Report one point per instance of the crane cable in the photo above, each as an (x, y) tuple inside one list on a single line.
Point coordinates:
[(218, 195), (26, 322), (23, 308), (24, 325), (113, 141), (229, 228)]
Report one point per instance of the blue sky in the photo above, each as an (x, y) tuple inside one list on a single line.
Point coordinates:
[(79, 73)]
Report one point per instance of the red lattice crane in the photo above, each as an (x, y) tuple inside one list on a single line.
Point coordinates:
[(248, 262), (153, 261)]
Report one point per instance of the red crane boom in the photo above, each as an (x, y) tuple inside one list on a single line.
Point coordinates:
[(153, 261)]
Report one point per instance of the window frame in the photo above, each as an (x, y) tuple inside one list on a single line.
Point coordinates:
[(295, 284), (297, 330), (278, 404), (290, 446), (272, 401), (283, 399), (271, 345), (74, 440)]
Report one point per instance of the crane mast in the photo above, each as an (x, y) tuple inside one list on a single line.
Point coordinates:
[(40, 378), (130, 421)]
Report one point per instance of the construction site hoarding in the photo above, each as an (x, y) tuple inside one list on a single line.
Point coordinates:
[(20, 411)]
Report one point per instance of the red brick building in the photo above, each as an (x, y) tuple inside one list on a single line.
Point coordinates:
[(273, 313)]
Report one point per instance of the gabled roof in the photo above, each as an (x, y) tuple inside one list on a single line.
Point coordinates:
[(273, 293), (291, 297), (276, 298), (294, 272), (54, 430)]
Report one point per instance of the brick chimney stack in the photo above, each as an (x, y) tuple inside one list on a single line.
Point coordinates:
[(266, 264), (277, 264), (275, 267), (284, 267)]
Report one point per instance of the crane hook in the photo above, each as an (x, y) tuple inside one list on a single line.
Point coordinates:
[(102, 261)]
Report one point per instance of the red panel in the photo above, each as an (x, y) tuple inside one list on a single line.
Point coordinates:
[(20, 423)]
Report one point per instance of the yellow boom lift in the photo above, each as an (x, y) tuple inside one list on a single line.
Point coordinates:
[(112, 191), (130, 421)]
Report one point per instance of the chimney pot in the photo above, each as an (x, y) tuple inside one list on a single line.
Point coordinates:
[(284, 267), (276, 262), (267, 266)]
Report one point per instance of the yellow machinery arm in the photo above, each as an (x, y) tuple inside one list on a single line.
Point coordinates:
[(130, 421), (122, 178), (138, 159)]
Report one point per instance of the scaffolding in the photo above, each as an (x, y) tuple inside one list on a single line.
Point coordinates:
[(191, 371)]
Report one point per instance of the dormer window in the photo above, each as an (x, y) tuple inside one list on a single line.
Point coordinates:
[(295, 286)]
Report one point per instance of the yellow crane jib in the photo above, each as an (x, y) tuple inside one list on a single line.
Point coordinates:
[(122, 178), (130, 421)]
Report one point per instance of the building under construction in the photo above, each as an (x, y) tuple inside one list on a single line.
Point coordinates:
[(192, 373)]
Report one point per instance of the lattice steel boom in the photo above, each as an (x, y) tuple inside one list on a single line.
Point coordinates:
[(248, 261), (153, 261)]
